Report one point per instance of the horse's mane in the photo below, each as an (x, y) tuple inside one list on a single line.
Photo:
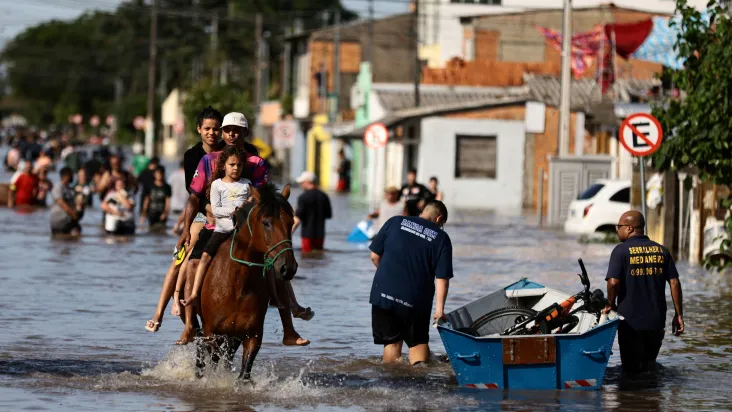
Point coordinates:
[(271, 203)]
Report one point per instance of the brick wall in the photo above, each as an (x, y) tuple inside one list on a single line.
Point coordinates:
[(323, 52), (513, 39), (489, 43), (486, 73)]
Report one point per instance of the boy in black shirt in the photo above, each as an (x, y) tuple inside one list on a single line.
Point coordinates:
[(156, 204), (313, 209), (637, 275), (416, 195), (208, 125)]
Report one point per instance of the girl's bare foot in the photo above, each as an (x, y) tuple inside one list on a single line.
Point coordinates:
[(153, 326)]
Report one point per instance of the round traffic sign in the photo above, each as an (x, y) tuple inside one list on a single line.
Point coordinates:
[(376, 136), (77, 119), (641, 134), (94, 121)]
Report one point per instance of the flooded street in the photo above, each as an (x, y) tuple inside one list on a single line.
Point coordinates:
[(73, 339)]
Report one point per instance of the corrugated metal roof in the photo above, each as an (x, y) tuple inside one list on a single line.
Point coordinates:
[(585, 93), (397, 97)]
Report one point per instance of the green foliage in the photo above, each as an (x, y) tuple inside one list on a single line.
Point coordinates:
[(698, 126), (59, 68), (229, 98)]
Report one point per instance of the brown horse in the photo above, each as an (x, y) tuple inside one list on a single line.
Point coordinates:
[(235, 292)]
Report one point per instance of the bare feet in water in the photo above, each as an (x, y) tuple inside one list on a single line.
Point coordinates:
[(186, 337)]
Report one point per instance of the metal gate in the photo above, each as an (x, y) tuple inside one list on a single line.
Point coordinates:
[(568, 177)]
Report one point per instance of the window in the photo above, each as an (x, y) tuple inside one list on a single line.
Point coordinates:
[(475, 156), (623, 196), (491, 2), (590, 192)]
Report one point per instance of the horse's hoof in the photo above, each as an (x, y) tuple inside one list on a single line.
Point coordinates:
[(245, 383)]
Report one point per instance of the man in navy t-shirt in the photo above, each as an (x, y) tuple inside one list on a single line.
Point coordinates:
[(637, 275), (412, 255)]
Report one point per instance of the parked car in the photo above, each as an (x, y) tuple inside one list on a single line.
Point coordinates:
[(598, 208)]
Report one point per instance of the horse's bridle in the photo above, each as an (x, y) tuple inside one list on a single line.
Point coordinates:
[(268, 262)]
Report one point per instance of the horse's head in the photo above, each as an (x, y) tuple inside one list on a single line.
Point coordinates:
[(270, 221)]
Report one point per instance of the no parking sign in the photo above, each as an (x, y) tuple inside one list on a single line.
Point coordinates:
[(641, 134)]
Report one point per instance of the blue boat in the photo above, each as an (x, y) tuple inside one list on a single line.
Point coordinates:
[(483, 356)]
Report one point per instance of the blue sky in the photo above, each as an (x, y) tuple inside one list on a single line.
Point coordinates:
[(15, 17)]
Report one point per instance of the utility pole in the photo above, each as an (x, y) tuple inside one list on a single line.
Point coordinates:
[(337, 60), (417, 63), (566, 85), (118, 90), (370, 51), (214, 45), (152, 64), (258, 70), (287, 62)]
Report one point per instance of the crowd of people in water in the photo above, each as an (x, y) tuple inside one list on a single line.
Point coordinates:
[(74, 174)]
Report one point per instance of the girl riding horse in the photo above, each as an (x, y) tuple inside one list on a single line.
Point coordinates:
[(235, 293)]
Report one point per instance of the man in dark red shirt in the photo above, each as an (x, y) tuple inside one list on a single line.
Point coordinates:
[(24, 188)]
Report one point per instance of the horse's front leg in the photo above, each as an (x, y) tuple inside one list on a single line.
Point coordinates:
[(251, 348)]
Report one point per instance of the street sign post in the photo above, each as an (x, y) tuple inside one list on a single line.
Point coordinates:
[(283, 134), (641, 135), (376, 136)]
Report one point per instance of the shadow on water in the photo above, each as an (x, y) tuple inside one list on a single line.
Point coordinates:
[(65, 367)]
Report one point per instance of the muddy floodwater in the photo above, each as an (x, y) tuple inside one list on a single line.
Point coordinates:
[(72, 337)]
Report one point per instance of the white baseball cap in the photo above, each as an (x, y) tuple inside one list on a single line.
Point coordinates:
[(306, 176), (235, 119)]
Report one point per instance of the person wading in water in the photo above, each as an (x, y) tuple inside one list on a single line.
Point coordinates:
[(636, 276), (235, 129)]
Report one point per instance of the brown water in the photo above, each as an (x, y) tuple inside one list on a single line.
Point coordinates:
[(72, 317)]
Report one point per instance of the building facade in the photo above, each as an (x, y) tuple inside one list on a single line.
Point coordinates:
[(439, 20)]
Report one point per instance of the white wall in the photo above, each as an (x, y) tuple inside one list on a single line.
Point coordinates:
[(440, 23), (437, 158)]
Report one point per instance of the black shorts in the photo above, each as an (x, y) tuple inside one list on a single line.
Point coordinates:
[(203, 236), (154, 219), (212, 246), (390, 327), (66, 228), (638, 348)]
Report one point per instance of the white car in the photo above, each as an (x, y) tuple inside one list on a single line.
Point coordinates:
[(598, 208)]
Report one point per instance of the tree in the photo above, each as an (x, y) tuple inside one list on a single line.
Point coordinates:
[(229, 98), (59, 68), (699, 123)]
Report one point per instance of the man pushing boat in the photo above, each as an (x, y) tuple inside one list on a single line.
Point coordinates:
[(413, 259)]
